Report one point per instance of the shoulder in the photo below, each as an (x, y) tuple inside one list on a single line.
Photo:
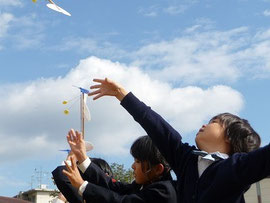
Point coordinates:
[(160, 191), (162, 187), (58, 172)]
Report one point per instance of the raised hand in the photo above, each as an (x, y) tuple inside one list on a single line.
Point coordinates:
[(107, 87), (77, 145), (73, 174)]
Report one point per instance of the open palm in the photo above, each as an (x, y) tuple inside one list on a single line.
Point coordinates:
[(77, 144), (107, 87)]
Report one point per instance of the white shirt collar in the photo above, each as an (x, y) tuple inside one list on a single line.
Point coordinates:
[(205, 161)]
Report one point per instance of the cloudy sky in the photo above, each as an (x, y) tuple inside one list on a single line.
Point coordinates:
[(187, 59)]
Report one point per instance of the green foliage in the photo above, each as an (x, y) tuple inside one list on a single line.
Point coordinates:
[(122, 174), (54, 193)]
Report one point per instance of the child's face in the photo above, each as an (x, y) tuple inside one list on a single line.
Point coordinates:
[(211, 138), (139, 175)]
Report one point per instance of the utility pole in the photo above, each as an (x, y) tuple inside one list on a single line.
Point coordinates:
[(259, 194)]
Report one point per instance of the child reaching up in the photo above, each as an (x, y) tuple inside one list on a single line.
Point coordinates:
[(220, 169), (153, 182), (68, 193)]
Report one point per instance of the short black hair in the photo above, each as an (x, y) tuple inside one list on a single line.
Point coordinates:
[(103, 165), (144, 149), (242, 137)]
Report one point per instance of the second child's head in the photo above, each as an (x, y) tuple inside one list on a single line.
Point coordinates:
[(227, 133), (103, 165), (149, 165)]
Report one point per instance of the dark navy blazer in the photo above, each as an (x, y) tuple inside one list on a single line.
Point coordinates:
[(65, 187), (101, 189), (223, 181)]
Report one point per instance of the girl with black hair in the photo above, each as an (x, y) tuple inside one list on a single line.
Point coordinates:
[(153, 182)]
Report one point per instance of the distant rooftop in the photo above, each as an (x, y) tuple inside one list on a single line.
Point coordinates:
[(11, 200)]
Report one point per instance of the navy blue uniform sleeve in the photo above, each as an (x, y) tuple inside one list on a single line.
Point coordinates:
[(157, 192), (65, 187), (95, 175), (253, 166), (165, 137)]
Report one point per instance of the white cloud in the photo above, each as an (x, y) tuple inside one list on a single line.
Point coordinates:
[(179, 8), (33, 122), (92, 47), (5, 19), (149, 12), (193, 58), (21, 32), (254, 60), (192, 28), (202, 56), (27, 33), (173, 10), (266, 13), (10, 3)]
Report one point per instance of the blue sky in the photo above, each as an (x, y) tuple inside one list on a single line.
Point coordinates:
[(187, 59)]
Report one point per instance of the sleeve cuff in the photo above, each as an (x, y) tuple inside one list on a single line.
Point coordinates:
[(82, 188), (84, 165)]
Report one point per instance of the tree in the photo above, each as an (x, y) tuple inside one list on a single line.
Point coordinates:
[(122, 174)]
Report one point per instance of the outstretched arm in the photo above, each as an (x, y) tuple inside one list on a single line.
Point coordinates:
[(107, 87), (165, 137), (90, 172)]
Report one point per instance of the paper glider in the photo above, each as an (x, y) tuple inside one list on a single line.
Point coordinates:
[(84, 115), (55, 7), (84, 111), (88, 146)]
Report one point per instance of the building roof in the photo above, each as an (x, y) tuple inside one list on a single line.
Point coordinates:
[(11, 200)]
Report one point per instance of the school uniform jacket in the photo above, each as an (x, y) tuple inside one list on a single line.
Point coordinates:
[(101, 189), (65, 187), (224, 181)]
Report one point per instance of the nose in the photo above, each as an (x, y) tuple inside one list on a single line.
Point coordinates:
[(204, 125), (133, 166)]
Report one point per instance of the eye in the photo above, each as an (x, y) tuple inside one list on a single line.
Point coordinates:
[(213, 121)]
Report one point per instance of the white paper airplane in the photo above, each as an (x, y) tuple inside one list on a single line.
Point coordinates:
[(54, 7)]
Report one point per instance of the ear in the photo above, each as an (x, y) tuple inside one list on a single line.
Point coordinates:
[(227, 145), (227, 140), (159, 168)]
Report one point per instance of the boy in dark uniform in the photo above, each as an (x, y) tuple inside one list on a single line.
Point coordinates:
[(228, 160)]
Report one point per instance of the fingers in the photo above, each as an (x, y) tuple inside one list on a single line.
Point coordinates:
[(65, 172), (99, 80), (73, 164), (69, 169), (94, 92), (70, 139), (71, 135), (108, 80), (74, 138), (98, 96), (79, 136), (72, 168), (95, 86)]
